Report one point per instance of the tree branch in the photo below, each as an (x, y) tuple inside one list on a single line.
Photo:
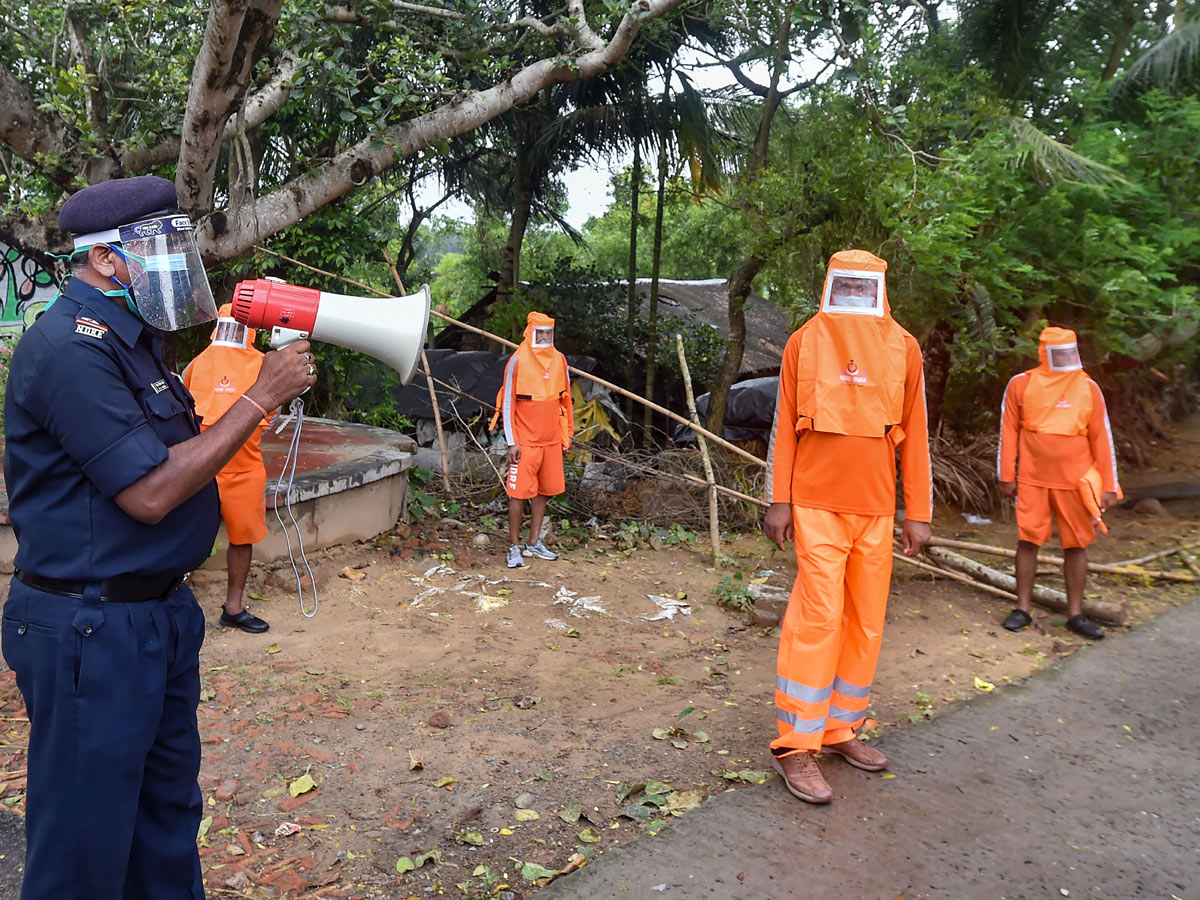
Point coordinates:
[(227, 236), (259, 108), (235, 39), (37, 136), (96, 104)]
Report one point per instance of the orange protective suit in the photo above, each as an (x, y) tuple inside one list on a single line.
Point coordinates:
[(851, 390), (534, 401), (216, 378), (1054, 431)]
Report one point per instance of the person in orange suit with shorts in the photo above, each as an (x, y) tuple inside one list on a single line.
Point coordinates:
[(1056, 456), (535, 403), (216, 378), (851, 391)]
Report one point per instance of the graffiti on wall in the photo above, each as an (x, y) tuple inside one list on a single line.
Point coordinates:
[(26, 288)]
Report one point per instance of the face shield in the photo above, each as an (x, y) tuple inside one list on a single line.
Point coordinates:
[(543, 336), (166, 277), (230, 333), (857, 293), (1063, 358)]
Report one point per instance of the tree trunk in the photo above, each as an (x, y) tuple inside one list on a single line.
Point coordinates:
[(1129, 18), (631, 309), (510, 268), (731, 364), (743, 278), (937, 371), (655, 268)]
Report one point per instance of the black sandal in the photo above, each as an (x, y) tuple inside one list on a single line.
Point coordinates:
[(1018, 619), (1081, 624)]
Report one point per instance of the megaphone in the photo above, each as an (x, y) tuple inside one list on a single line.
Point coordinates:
[(391, 329)]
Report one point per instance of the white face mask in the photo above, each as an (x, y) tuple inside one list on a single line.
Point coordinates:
[(856, 293), (1064, 358), (543, 337)]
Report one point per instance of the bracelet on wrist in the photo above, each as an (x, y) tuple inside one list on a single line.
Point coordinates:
[(255, 404)]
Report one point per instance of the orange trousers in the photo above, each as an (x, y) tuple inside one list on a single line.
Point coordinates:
[(831, 632)]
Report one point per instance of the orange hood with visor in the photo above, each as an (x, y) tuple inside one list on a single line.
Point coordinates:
[(852, 358)]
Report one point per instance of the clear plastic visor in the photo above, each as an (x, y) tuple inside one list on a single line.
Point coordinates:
[(230, 333), (543, 337), (1064, 358), (859, 294), (170, 287)]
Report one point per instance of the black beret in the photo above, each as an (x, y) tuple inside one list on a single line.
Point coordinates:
[(117, 202)]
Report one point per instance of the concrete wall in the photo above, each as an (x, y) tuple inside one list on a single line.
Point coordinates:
[(357, 514)]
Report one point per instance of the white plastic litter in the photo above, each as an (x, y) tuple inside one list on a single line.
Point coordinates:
[(973, 519), (578, 606), (667, 608)]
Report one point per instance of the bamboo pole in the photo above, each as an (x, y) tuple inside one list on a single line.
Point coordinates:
[(670, 414), (1152, 556), (955, 576), (1098, 568), (714, 526), (437, 413), (1188, 561)]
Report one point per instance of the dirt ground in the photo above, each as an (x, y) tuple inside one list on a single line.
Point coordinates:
[(486, 728)]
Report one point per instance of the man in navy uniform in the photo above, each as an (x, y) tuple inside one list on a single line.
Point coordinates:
[(112, 499)]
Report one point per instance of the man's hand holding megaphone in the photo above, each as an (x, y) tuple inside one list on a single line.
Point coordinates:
[(284, 376)]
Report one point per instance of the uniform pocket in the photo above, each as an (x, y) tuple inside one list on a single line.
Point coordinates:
[(164, 405)]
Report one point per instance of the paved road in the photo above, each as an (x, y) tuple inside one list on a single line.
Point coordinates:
[(1083, 783)]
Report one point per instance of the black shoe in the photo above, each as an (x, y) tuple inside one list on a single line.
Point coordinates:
[(1017, 619), (243, 620), (1081, 624)]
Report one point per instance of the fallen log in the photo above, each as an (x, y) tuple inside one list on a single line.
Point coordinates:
[(1098, 568), (1056, 601), (955, 576)]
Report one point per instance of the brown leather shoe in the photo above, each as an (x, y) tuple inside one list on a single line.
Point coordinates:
[(802, 777), (858, 754)]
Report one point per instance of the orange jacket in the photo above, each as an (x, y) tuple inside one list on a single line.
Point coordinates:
[(535, 397), (1054, 460), (834, 447)]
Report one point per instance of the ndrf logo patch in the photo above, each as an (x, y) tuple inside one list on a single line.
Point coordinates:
[(91, 328)]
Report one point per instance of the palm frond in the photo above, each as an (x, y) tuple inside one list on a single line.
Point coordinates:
[(1054, 159), (1170, 61)]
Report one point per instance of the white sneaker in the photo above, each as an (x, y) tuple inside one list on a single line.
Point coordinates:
[(514, 557), (540, 550)]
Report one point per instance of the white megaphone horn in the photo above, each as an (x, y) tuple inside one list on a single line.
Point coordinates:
[(391, 329)]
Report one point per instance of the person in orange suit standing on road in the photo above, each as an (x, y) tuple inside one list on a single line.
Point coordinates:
[(216, 378), (1056, 457), (851, 391), (535, 402)]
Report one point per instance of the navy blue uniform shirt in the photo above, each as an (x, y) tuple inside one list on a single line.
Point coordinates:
[(90, 409)]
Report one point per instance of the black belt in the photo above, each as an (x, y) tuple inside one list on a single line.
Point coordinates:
[(122, 588)]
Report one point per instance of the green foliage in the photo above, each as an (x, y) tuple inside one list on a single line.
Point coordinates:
[(734, 593)]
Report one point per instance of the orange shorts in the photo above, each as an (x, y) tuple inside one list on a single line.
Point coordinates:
[(243, 504), (1034, 507), (539, 472)]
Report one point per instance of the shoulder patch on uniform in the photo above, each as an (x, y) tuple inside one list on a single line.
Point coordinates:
[(90, 327)]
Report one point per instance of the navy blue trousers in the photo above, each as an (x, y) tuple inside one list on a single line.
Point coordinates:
[(112, 806)]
